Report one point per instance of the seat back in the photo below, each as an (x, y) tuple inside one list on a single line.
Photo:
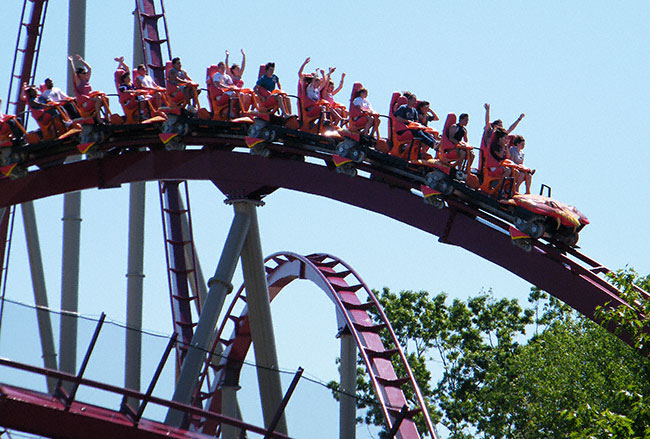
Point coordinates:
[(445, 142), (213, 91), (355, 112), (396, 101)]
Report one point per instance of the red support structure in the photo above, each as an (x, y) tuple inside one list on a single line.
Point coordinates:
[(28, 44), (180, 270), (152, 41)]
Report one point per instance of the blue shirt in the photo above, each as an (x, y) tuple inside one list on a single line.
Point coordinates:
[(268, 83), (407, 113)]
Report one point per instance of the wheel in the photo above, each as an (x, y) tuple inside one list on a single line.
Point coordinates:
[(460, 175), (268, 134), (357, 155), (433, 177), (254, 131), (519, 222), (352, 172), (535, 229), (570, 239)]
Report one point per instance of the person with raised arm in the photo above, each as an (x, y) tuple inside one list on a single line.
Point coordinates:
[(498, 123), (90, 104), (236, 72)]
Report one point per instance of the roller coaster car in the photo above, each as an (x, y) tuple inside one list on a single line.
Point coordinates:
[(85, 106), (314, 116), (133, 111), (551, 218), (229, 106), (403, 143), (268, 102), (53, 122), (175, 96)]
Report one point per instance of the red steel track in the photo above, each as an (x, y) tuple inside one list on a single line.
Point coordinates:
[(569, 276)]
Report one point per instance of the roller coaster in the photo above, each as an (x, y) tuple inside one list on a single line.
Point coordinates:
[(248, 154)]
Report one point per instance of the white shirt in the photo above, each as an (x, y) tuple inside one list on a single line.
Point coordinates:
[(312, 93), (53, 94), (222, 79), (147, 81), (362, 103)]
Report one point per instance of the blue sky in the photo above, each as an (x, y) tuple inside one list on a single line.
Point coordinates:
[(578, 70)]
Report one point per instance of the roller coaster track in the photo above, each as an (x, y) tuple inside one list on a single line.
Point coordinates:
[(564, 272), (343, 286)]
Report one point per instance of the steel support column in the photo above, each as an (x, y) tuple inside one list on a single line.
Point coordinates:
[(70, 282), (230, 408), (218, 287), (261, 323), (71, 217), (40, 293), (347, 401), (135, 263), (134, 287)]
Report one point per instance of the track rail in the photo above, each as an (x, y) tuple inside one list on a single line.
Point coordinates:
[(568, 275), (353, 301)]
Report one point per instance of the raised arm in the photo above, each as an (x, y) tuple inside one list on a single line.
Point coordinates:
[(338, 89), (121, 64), (302, 67), (487, 115), (75, 79), (85, 64), (228, 71), (515, 123), (243, 62)]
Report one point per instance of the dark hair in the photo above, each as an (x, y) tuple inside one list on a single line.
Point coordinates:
[(408, 95), (32, 92), (421, 104), (124, 75), (463, 116), (358, 93), (235, 66), (141, 66), (496, 122), (498, 134), (268, 65), (175, 60), (80, 70), (517, 140)]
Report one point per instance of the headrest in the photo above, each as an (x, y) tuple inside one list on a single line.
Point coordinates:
[(117, 76), (355, 88), (211, 70), (451, 119)]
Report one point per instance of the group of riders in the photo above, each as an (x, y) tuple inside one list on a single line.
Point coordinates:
[(142, 100)]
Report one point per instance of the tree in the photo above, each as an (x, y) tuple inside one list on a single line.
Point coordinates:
[(495, 383)]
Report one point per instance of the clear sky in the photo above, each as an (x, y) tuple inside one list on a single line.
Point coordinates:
[(578, 70)]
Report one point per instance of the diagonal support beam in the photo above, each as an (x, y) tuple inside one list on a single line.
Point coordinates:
[(40, 292)]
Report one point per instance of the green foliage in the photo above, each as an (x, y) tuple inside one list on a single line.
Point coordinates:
[(569, 378), (630, 320)]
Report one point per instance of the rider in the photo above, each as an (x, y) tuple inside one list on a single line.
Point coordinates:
[(83, 89), (408, 113), (179, 77), (236, 72), (265, 86), (458, 136), (498, 123)]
